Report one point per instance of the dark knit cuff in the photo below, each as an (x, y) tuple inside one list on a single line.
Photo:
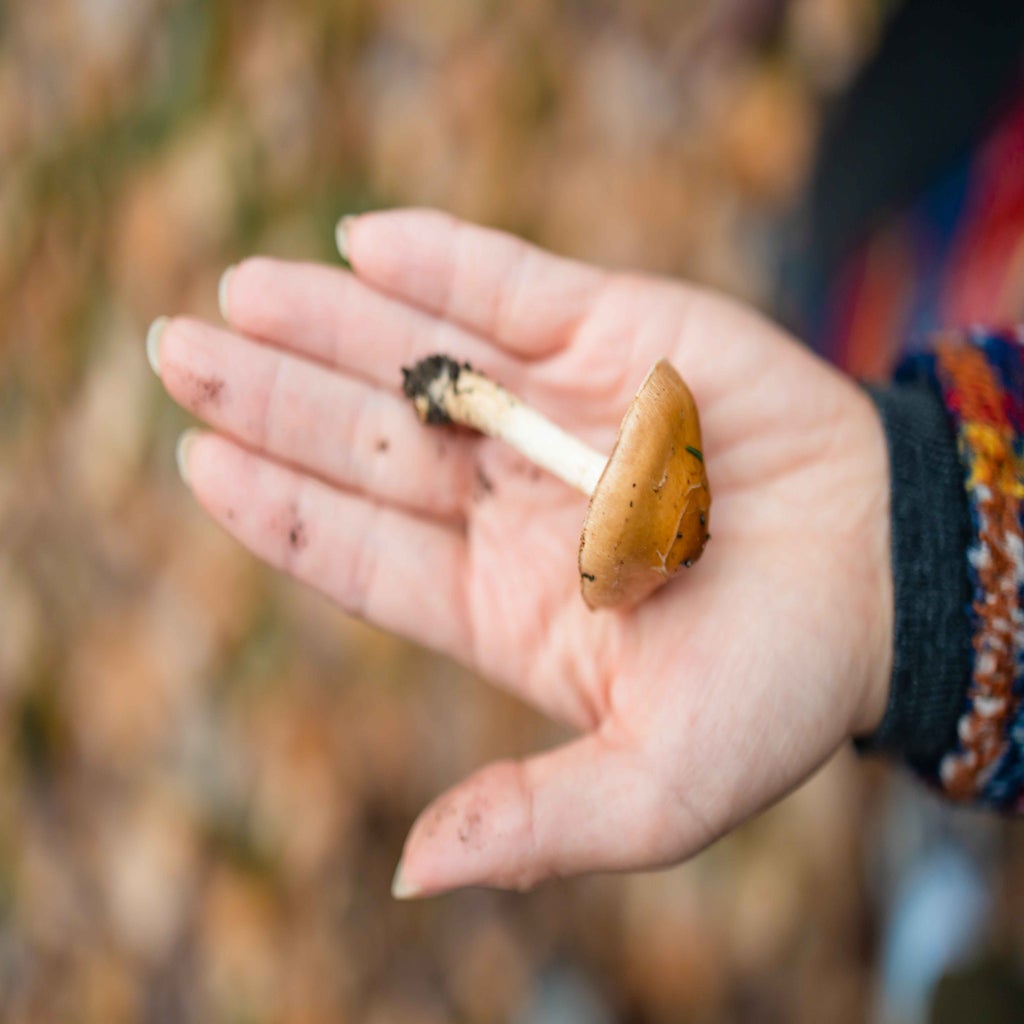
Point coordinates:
[(980, 375), (931, 532)]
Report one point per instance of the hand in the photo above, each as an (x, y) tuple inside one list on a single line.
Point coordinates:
[(702, 706)]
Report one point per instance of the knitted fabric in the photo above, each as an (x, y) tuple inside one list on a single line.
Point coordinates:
[(954, 257), (931, 531), (948, 256), (980, 376)]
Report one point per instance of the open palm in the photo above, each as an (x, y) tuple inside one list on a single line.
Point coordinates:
[(696, 709)]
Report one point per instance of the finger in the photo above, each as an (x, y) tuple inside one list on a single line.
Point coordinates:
[(320, 421), (329, 315), (586, 806), (399, 572), (494, 284)]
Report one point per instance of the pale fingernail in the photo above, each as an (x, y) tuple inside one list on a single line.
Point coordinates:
[(401, 888), (341, 235), (153, 338), (182, 450), (222, 291)]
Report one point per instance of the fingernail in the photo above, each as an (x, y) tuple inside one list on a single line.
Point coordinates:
[(222, 291), (182, 449), (402, 889), (341, 235), (153, 338)]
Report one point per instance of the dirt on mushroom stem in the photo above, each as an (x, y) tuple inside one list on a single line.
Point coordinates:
[(425, 384)]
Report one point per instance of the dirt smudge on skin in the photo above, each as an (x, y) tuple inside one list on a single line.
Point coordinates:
[(205, 390), (468, 821), (437, 819), (289, 523), (484, 484), (471, 830), (297, 538)]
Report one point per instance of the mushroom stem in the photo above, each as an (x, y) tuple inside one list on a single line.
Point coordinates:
[(444, 391)]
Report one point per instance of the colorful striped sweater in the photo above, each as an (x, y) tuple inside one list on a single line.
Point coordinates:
[(912, 297)]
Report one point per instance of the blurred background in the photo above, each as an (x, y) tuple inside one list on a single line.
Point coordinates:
[(206, 773)]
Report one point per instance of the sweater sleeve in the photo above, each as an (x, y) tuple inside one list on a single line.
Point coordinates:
[(954, 423)]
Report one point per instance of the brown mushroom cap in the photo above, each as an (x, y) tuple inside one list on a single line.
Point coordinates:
[(649, 513)]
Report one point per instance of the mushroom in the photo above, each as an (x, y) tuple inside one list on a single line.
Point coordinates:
[(649, 500)]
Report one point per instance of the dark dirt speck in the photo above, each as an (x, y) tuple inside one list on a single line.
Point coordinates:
[(417, 382), (297, 535), (206, 390), (484, 484), (470, 830)]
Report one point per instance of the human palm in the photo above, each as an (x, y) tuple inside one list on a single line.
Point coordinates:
[(694, 710)]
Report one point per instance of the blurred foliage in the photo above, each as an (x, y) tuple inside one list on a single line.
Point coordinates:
[(205, 773)]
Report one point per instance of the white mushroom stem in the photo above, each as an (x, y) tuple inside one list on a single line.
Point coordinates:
[(469, 398)]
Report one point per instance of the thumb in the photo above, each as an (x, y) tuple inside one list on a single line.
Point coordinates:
[(585, 806)]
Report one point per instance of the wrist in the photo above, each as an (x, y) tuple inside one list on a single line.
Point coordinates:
[(878, 643)]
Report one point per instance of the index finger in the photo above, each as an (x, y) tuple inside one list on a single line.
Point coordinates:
[(526, 300)]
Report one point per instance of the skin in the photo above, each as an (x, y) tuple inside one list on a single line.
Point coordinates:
[(704, 705)]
